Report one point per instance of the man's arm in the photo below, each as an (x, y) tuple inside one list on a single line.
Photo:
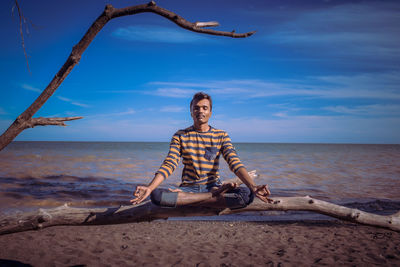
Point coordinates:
[(231, 157), (261, 191), (142, 192), (167, 168)]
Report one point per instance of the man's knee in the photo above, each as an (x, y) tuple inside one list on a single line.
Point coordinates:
[(238, 198), (156, 196), (164, 197)]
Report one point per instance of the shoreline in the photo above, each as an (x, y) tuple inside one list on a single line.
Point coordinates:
[(205, 243)]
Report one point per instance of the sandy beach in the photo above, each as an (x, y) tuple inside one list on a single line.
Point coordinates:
[(204, 243)]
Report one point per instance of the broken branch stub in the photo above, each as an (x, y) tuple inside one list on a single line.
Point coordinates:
[(206, 24), (50, 121)]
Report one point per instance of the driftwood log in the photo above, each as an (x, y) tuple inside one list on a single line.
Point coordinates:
[(25, 120), (147, 211), (66, 215)]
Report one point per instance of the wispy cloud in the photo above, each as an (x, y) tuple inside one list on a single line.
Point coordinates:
[(72, 102), (2, 111), (227, 87), (153, 33), (314, 129), (172, 109), (281, 115), (356, 33), (173, 92), (361, 86), (31, 88), (335, 129), (129, 111), (65, 99), (130, 129), (367, 110)]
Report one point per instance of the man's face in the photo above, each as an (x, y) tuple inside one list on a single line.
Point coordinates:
[(201, 111)]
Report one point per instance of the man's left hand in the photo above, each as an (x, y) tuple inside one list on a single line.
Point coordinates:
[(262, 192)]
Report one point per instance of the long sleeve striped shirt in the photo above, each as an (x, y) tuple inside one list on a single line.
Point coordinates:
[(200, 152)]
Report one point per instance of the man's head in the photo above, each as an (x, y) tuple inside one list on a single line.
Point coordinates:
[(201, 108), (200, 96)]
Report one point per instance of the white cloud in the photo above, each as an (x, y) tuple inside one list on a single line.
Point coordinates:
[(31, 88), (313, 129), (172, 109), (249, 88), (65, 99), (129, 111), (335, 129), (367, 29), (72, 102), (285, 107), (173, 92), (132, 129), (367, 110), (152, 33), (280, 115), (361, 86), (181, 84)]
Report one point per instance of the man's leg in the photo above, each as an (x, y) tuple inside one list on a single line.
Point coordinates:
[(174, 198), (238, 197), (226, 195)]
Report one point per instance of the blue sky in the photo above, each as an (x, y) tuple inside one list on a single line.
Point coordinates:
[(314, 72)]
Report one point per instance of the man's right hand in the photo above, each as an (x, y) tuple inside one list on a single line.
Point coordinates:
[(141, 193)]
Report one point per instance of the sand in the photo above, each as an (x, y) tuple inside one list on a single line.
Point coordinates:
[(204, 243)]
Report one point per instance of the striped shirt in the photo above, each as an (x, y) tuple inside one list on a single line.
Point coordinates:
[(200, 152)]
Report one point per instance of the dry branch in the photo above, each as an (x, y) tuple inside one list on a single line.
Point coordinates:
[(49, 121), (147, 211), (22, 21), (109, 13), (308, 203)]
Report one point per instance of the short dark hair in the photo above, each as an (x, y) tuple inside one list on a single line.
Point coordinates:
[(200, 96)]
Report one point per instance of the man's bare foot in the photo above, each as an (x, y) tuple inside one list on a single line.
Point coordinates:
[(175, 190), (223, 188)]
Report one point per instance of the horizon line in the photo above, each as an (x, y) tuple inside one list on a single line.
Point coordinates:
[(239, 142)]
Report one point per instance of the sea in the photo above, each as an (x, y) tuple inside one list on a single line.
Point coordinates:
[(37, 174)]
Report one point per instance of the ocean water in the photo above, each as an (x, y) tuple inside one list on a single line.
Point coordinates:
[(48, 174)]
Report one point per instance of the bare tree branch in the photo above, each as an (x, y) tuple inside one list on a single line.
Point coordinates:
[(49, 121), (152, 7), (109, 13), (22, 21)]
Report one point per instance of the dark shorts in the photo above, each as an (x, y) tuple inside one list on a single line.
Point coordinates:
[(235, 199)]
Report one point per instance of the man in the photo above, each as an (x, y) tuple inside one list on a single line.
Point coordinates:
[(200, 147)]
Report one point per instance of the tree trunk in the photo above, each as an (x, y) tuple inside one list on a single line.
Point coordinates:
[(25, 120), (147, 211)]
